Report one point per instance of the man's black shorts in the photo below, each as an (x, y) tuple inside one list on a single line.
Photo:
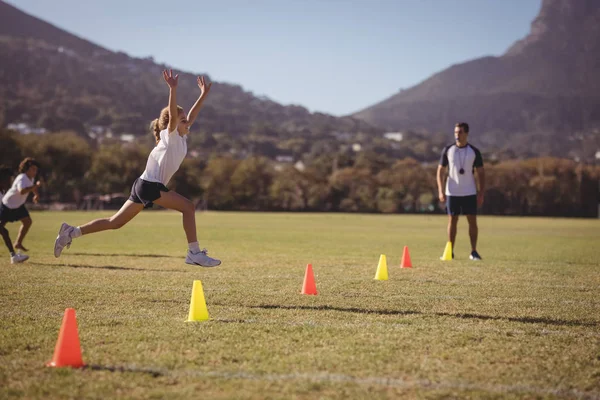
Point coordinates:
[(461, 205)]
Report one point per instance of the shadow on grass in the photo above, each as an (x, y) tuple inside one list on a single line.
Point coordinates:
[(342, 309), (232, 320), (123, 255), (153, 372), (525, 320), (109, 267)]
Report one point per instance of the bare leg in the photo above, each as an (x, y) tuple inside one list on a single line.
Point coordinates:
[(452, 224), (6, 237), (175, 201), (473, 231), (25, 225), (123, 216)]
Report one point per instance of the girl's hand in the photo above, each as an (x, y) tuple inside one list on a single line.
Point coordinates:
[(170, 79), (35, 188), (204, 88), (36, 198)]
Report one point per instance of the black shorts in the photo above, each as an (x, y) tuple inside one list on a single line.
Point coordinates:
[(465, 205), (12, 214), (144, 192)]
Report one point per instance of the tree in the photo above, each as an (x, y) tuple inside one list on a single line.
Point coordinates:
[(250, 183), (216, 182), (64, 157), (115, 167), (10, 149)]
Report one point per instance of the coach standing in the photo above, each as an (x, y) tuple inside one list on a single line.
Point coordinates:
[(461, 194)]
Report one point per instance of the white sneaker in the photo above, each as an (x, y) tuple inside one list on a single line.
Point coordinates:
[(201, 259), (63, 239), (18, 258)]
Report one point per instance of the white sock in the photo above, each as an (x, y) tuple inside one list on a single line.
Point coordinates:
[(75, 233), (194, 247)]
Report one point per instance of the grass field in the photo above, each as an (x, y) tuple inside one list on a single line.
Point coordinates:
[(524, 323)]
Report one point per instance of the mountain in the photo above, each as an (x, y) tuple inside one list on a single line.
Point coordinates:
[(56, 80), (546, 86)]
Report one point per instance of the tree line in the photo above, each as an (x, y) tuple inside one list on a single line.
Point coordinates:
[(328, 180)]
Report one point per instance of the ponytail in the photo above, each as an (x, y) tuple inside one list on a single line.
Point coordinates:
[(162, 122), (155, 129)]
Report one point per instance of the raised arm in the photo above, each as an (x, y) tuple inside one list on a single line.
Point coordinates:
[(204, 89), (172, 82)]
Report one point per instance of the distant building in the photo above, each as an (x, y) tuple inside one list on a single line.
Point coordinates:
[(395, 136), (66, 51), (284, 159), (127, 137), (341, 135), (26, 129), (98, 129)]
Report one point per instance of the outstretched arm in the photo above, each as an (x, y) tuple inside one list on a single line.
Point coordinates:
[(204, 89), (172, 82)]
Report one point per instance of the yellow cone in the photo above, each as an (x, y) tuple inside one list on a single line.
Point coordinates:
[(198, 311), (381, 274), (447, 256)]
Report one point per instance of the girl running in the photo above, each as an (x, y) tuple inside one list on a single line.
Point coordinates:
[(13, 208), (170, 130), (15, 258)]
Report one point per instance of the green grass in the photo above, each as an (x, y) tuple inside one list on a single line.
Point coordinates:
[(524, 323)]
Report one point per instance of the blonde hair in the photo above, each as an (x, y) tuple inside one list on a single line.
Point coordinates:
[(162, 122)]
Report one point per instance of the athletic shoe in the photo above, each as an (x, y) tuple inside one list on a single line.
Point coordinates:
[(63, 239), (475, 256), (202, 259), (18, 258)]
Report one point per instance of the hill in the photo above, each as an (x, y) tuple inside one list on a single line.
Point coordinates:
[(56, 80), (543, 92)]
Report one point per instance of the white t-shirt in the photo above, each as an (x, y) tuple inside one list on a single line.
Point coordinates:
[(13, 197), (456, 158), (164, 160)]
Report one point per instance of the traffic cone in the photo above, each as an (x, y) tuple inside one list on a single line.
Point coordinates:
[(447, 256), (67, 352), (382, 273), (309, 286), (405, 263), (198, 311)]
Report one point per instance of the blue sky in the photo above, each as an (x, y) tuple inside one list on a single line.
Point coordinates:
[(333, 56)]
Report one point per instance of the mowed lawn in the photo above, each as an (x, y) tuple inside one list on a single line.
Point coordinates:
[(523, 323)]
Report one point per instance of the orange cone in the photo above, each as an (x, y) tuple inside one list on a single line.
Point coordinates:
[(67, 352), (309, 286), (405, 263)]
